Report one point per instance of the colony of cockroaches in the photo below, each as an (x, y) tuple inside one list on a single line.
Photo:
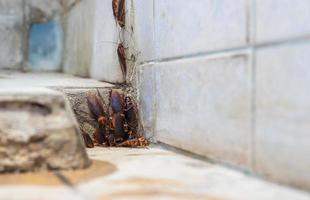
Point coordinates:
[(117, 125)]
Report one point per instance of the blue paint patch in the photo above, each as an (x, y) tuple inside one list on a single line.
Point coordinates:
[(45, 46)]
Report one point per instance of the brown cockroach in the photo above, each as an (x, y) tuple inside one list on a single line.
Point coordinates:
[(118, 120), (95, 107), (87, 139), (118, 7), (122, 58), (115, 8), (121, 13), (116, 101), (136, 142), (97, 113)]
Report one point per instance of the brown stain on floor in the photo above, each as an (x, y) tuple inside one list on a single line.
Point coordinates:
[(147, 181), (97, 169), (149, 194)]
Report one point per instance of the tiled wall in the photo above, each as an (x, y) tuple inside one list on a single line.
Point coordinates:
[(229, 80)]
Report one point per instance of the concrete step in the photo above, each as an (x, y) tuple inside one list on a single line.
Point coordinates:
[(37, 125), (74, 88), (38, 131)]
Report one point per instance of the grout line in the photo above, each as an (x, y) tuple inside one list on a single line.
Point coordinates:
[(155, 103), (254, 84), (190, 154), (231, 50), (200, 54), (154, 45), (238, 168), (253, 110), (248, 22)]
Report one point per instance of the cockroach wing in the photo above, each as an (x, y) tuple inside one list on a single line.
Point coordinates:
[(116, 102), (94, 106)]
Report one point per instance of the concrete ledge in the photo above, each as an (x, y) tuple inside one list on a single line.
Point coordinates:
[(37, 132)]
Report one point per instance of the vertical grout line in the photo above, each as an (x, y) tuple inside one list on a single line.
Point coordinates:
[(154, 32), (154, 75), (254, 71), (248, 21)]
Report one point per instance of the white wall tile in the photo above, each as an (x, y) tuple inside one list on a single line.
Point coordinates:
[(282, 142), (144, 30), (185, 27), (281, 19), (204, 105), (79, 33)]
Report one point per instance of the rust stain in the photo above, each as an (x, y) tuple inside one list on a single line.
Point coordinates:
[(37, 178), (147, 181), (149, 154), (97, 169), (145, 194)]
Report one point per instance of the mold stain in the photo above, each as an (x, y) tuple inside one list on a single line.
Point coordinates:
[(97, 169)]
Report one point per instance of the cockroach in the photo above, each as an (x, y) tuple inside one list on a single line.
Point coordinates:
[(97, 113), (130, 115), (118, 7), (118, 120), (87, 139), (100, 135), (121, 13), (116, 101), (95, 107), (122, 58), (115, 8), (136, 142)]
